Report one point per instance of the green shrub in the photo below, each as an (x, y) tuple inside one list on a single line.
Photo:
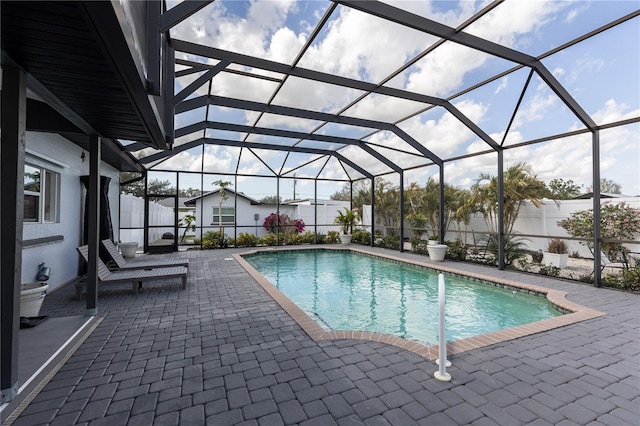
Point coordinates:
[(246, 239), (419, 246), (269, 240), (549, 270), (295, 239), (588, 278), (457, 250), (307, 238), (321, 238), (515, 248), (214, 240), (629, 280), (390, 242), (360, 236), (333, 237)]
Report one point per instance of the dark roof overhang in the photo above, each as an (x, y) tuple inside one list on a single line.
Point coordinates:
[(79, 59)]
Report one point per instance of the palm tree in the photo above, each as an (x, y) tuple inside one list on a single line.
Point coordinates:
[(520, 185), (387, 198), (460, 211), (424, 204), (223, 197)]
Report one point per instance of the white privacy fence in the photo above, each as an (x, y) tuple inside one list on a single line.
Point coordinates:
[(532, 220), (132, 219)]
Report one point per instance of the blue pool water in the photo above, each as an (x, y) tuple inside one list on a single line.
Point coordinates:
[(343, 290)]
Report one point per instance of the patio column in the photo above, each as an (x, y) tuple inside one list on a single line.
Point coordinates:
[(93, 229), (401, 211), (441, 206), (14, 118), (373, 209), (500, 191), (315, 210), (597, 231)]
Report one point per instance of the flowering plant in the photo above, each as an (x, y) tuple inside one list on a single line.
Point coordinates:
[(617, 222), (271, 223)]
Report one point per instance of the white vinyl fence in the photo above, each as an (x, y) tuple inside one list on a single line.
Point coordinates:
[(534, 220), (132, 216)]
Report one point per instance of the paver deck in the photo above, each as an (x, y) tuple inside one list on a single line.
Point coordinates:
[(223, 352)]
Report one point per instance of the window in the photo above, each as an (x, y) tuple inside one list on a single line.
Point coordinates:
[(228, 216), (41, 194)]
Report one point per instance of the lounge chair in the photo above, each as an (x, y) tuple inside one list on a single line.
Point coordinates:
[(136, 276), (122, 263), (606, 263)]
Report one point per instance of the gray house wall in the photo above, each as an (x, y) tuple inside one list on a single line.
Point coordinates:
[(53, 152)]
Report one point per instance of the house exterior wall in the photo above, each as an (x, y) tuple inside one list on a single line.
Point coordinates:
[(327, 212), (245, 212), (56, 153)]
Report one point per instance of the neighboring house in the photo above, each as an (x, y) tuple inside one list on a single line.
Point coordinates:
[(241, 213)]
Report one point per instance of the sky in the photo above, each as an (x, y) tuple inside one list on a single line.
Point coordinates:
[(602, 73)]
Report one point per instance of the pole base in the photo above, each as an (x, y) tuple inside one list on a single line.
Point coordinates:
[(445, 377), (446, 364)]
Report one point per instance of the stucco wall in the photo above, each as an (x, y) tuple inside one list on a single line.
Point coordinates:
[(245, 214), (58, 154)]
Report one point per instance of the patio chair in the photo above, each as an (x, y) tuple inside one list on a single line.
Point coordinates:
[(136, 276), (606, 263), (122, 263)]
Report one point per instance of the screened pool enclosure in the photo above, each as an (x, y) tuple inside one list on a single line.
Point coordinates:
[(390, 96)]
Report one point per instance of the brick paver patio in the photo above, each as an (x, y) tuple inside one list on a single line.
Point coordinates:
[(223, 352)]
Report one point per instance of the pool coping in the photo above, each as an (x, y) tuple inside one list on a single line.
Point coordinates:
[(573, 312)]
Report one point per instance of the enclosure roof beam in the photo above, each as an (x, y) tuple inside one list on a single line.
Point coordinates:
[(198, 82), (301, 113), (253, 145), (425, 25), (286, 134), (257, 145), (250, 61), (179, 13)]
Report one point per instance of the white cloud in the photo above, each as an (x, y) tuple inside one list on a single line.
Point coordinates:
[(504, 83), (383, 108), (357, 40), (446, 135), (574, 12)]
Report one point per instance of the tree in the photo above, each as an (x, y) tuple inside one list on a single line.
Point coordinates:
[(618, 222), (188, 221), (361, 193), (561, 189), (271, 199), (461, 212), (608, 186), (189, 192), (343, 194), (387, 199), (223, 197), (520, 185)]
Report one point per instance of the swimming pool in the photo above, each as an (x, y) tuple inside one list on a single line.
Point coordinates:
[(344, 290)]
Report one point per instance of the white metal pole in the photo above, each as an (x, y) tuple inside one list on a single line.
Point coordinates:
[(442, 374)]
